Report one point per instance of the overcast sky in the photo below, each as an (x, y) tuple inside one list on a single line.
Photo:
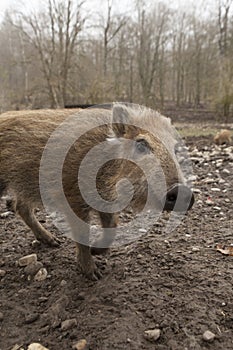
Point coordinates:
[(96, 5)]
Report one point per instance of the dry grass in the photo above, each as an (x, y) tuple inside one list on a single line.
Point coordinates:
[(187, 130)]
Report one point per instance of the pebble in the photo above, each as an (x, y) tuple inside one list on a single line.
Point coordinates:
[(68, 324), (208, 336), (221, 181), (17, 347), (31, 318), (226, 171), (80, 345), (209, 181), (217, 208), (142, 230), (5, 214), (2, 273), (36, 244), (63, 283), (41, 275), (81, 296), (1, 316), (209, 201), (195, 249), (152, 334), (33, 268), (27, 259), (36, 346), (215, 189), (192, 178)]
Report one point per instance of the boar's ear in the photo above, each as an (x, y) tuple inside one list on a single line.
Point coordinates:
[(120, 119)]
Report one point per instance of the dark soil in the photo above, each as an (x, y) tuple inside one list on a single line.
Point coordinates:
[(176, 282)]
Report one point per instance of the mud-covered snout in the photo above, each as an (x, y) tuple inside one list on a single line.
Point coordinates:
[(179, 198)]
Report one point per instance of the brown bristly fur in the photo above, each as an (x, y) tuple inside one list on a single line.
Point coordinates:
[(224, 136), (23, 137)]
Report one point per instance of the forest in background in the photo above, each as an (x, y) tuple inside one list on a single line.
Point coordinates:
[(153, 55)]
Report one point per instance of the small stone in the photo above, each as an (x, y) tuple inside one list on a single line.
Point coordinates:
[(221, 181), (208, 336), (68, 324), (209, 201), (16, 347), (41, 275), (192, 178), (209, 181), (2, 273), (36, 244), (215, 189), (27, 259), (80, 345), (195, 249), (33, 268), (81, 296), (217, 208), (142, 230), (31, 318), (152, 334), (226, 171), (5, 214), (36, 346), (63, 283), (1, 316), (139, 256), (196, 190)]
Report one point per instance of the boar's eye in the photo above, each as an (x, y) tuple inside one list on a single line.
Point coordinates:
[(142, 146)]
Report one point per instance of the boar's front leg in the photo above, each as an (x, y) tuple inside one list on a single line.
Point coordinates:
[(86, 263), (27, 214), (108, 220), (80, 233)]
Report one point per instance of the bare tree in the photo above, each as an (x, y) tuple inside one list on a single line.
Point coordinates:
[(111, 28), (178, 57), (151, 38), (150, 56), (54, 35), (225, 98), (223, 23)]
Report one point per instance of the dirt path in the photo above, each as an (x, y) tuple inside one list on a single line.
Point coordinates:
[(174, 282)]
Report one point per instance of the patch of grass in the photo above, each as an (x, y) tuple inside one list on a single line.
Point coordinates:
[(187, 130)]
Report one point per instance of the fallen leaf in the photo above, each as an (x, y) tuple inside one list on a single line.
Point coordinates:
[(225, 250)]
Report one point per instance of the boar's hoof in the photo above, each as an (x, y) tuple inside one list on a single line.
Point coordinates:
[(50, 240), (99, 251), (93, 275), (90, 271)]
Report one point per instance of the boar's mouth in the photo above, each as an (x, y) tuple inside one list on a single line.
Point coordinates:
[(179, 198)]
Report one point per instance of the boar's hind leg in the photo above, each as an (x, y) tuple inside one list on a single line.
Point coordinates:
[(108, 220), (42, 235)]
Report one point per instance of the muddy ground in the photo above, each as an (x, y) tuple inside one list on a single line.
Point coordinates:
[(176, 282)]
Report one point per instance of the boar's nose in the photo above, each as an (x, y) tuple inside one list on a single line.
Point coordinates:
[(179, 198)]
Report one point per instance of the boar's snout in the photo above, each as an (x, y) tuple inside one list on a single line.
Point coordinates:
[(179, 198)]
